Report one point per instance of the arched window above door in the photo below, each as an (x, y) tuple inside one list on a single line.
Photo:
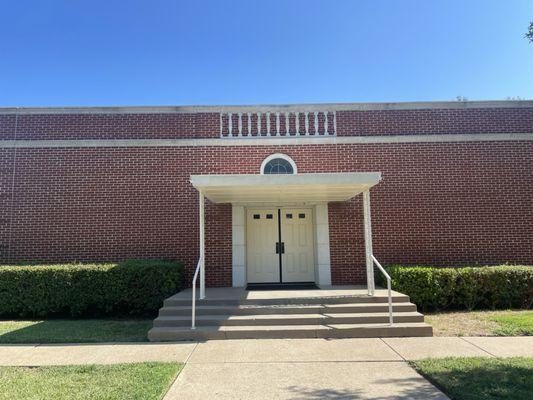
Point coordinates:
[(278, 164)]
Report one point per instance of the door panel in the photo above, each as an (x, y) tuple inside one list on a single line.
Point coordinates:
[(262, 232), (297, 235)]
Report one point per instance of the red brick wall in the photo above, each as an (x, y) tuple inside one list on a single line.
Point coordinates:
[(440, 204), (435, 121), (7, 126), (207, 125), (6, 182), (110, 126), (437, 204)]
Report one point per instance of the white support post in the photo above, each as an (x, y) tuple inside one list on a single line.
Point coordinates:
[(368, 243), (202, 245)]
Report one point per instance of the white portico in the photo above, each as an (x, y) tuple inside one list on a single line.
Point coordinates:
[(280, 229)]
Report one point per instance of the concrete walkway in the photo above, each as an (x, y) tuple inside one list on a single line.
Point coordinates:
[(284, 368)]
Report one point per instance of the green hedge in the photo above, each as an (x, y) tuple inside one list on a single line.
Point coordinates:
[(133, 287), (466, 288)]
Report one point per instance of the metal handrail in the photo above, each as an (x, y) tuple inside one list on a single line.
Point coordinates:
[(193, 317), (387, 276)]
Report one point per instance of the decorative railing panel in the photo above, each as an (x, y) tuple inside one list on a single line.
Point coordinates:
[(278, 123)]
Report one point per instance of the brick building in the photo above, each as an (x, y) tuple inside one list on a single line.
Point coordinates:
[(450, 183)]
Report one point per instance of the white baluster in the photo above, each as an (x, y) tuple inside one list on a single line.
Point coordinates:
[(335, 123), (306, 123), (220, 122), (249, 124), (258, 124), (230, 125), (277, 124), (326, 123), (297, 123), (316, 122), (240, 124), (287, 123), (268, 123)]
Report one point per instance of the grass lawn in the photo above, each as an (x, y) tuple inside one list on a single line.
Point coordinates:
[(482, 323), (480, 378), (142, 381), (74, 331), (514, 324)]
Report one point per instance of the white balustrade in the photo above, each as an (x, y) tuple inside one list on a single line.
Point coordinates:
[(316, 123)]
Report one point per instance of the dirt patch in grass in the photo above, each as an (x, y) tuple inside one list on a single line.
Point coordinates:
[(478, 323)]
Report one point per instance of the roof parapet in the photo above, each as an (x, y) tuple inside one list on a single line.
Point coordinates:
[(320, 107)]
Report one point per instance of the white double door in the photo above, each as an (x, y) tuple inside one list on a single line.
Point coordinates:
[(279, 245)]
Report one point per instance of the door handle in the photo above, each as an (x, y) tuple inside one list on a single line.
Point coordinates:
[(277, 248), (282, 247)]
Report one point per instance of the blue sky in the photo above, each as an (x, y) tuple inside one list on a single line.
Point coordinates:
[(153, 52)]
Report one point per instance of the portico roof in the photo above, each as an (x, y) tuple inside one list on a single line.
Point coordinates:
[(318, 187)]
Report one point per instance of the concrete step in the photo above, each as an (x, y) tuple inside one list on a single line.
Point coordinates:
[(286, 319), (180, 302), (354, 308), (290, 331)]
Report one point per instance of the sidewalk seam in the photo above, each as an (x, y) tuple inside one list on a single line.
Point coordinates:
[(480, 348), (393, 349), (179, 373)]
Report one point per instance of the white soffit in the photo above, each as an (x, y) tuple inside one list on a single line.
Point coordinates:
[(323, 187)]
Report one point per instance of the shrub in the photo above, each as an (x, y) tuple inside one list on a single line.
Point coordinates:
[(433, 288), (133, 287)]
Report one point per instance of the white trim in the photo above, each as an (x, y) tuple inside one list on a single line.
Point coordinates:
[(415, 105), (238, 246), (322, 260), (278, 155), (203, 182), (267, 141)]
